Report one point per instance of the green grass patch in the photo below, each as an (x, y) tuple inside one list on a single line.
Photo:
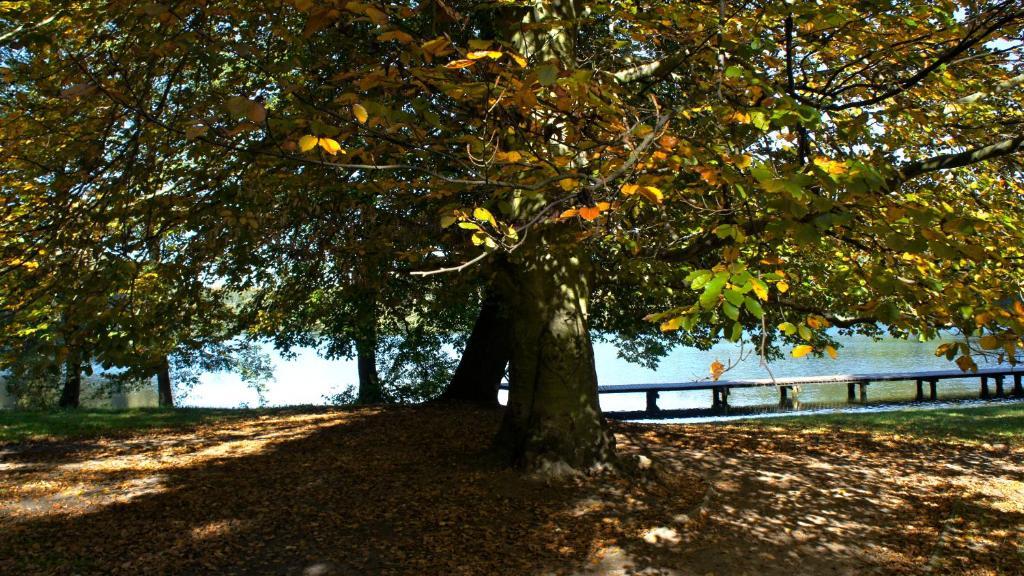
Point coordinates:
[(976, 424), (20, 425)]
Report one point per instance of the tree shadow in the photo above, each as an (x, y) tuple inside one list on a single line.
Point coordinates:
[(416, 491)]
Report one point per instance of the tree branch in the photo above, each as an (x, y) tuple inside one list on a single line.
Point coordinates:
[(958, 159)]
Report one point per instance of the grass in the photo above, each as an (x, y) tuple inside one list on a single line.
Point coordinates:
[(974, 424), (993, 424), (21, 425)]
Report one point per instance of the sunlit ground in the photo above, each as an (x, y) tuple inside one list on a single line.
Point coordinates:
[(415, 491)]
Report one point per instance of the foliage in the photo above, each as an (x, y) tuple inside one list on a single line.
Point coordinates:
[(759, 170)]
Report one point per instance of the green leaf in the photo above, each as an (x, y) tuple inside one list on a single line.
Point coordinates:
[(731, 311), (735, 297), (753, 306)]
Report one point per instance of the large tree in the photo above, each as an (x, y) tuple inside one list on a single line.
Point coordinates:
[(739, 170)]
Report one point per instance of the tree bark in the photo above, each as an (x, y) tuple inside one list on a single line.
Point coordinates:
[(366, 362), (370, 391), (163, 384), (485, 358), (70, 395), (553, 423)]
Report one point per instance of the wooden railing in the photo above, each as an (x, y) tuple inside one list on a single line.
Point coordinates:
[(856, 385)]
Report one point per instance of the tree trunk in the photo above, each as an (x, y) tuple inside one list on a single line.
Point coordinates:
[(553, 423), (369, 382), (163, 384), (70, 395), (483, 362)]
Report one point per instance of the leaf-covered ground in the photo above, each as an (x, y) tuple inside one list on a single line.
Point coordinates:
[(415, 491)]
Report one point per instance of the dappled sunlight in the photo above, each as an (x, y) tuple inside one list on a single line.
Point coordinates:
[(104, 472), (403, 491)]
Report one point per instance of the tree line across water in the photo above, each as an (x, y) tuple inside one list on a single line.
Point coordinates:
[(389, 181)]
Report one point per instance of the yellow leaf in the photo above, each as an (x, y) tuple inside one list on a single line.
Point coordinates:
[(802, 350), (989, 342), (460, 64), (652, 194), (717, 369), (673, 324), (360, 113), (484, 215), (782, 286), (568, 184), (519, 60), (330, 145), (307, 143), (760, 288), (832, 352), (478, 54), (629, 189), (568, 214), (513, 156)]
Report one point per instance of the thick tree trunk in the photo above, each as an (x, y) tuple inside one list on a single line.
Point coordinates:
[(483, 362), (70, 395), (163, 384), (553, 423)]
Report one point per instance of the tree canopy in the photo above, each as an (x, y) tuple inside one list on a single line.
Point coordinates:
[(660, 172)]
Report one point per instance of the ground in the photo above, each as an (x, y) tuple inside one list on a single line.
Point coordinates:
[(415, 491)]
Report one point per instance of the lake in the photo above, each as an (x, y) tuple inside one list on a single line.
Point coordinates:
[(307, 379)]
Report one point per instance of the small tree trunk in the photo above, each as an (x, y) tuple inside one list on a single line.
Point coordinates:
[(553, 422), (70, 395), (366, 362), (163, 384), (483, 362)]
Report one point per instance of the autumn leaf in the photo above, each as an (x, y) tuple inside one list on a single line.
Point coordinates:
[(329, 145), (989, 342), (832, 352), (717, 369), (307, 143), (360, 113), (478, 54), (568, 184), (802, 350), (397, 35), (590, 213), (519, 60), (651, 194), (456, 64)]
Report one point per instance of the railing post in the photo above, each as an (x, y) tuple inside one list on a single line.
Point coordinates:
[(850, 394), (652, 401), (1018, 389), (999, 386), (920, 391), (984, 387), (933, 394), (725, 398), (716, 398), (864, 391), (784, 401)]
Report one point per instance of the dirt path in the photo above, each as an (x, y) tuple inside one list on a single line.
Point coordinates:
[(405, 491)]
